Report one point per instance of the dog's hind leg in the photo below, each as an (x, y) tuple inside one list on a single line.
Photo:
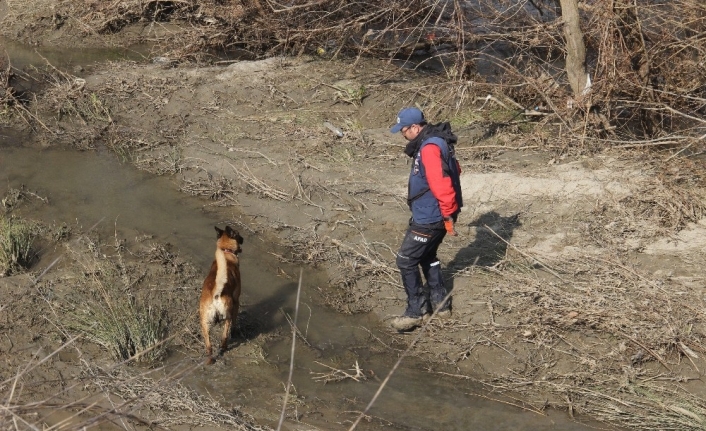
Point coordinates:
[(209, 349), (227, 321), (234, 317), (226, 333)]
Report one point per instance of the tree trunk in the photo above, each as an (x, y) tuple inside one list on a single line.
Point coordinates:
[(575, 47)]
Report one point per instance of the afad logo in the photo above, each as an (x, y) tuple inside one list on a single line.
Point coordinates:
[(415, 170), (420, 238)]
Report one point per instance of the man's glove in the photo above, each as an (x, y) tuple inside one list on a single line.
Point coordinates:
[(449, 225)]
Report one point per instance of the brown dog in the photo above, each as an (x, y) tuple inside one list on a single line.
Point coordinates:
[(220, 295)]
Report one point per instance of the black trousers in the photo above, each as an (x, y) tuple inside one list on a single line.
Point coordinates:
[(418, 249)]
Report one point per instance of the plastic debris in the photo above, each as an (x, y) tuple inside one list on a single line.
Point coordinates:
[(336, 131)]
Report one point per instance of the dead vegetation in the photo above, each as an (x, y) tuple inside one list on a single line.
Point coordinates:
[(646, 78), (168, 401), (17, 249), (220, 190), (665, 203), (13, 103), (635, 341), (113, 396), (643, 59), (113, 303), (67, 98), (6, 90)]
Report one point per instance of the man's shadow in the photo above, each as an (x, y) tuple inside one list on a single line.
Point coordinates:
[(493, 232)]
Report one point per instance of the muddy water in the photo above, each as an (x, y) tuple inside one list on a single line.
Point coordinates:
[(84, 188), (73, 60)]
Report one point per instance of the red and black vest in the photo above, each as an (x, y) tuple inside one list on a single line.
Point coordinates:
[(425, 208)]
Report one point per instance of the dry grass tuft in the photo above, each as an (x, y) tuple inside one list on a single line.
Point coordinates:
[(129, 326), (16, 240), (114, 303), (168, 402), (67, 97), (219, 189)]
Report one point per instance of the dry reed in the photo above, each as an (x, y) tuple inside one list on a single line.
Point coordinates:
[(647, 331)]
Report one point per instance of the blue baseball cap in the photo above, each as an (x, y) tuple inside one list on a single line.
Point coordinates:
[(407, 117)]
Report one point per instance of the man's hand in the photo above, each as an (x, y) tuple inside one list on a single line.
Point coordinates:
[(449, 225)]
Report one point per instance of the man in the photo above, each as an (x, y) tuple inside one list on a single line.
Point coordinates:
[(434, 197)]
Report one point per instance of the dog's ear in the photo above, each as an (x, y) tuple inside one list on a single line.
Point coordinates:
[(232, 233), (240, 242), (219, 231)]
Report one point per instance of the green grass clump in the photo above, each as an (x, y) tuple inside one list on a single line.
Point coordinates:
[(111, 301), (16, 238), (127, 328)]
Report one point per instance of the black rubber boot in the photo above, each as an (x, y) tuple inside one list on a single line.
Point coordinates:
[(417, 304), (437, 291)]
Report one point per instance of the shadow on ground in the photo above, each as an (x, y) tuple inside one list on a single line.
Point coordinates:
[(264, 316), (493, 232)]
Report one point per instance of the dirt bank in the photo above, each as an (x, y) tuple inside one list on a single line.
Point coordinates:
[(577, 278)]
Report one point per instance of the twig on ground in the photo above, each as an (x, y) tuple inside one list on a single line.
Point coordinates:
[(291, 360), (336, 375)]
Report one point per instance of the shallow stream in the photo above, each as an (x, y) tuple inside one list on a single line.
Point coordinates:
[(85, 187)]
